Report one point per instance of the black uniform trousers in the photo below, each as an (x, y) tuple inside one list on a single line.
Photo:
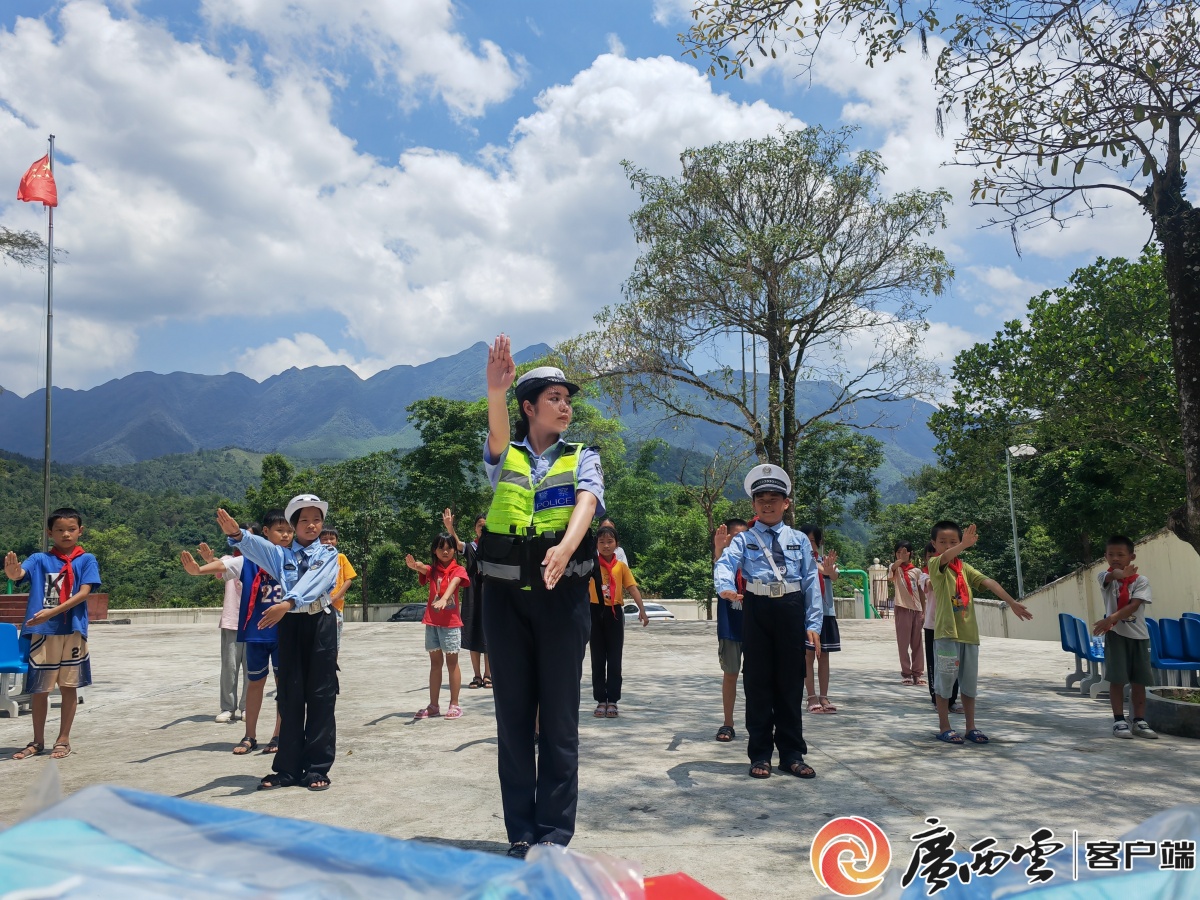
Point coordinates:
[(606, 645), (773, 636), (536, 640), (308, 686)]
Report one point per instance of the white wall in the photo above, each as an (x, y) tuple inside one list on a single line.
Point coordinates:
[(1172, 566)]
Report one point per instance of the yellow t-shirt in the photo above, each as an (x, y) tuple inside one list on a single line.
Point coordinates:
[(345, 573), (954, 616), (615, 595)]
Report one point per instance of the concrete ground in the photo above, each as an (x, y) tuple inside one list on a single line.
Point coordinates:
[(654, 785)]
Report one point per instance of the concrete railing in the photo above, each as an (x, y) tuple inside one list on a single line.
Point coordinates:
[(211, 615)]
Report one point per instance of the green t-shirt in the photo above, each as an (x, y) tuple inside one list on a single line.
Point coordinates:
[(954, 617)]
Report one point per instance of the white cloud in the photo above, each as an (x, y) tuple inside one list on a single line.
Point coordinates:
[(615, 47), (669, 12), (192, 187), (300, 350), (412, 43), (999, 290), (944, 341)]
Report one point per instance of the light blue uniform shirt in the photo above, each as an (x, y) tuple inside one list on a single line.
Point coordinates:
[(591, 478), (283, 564), (750, 550)]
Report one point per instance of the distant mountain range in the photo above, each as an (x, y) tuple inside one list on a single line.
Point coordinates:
[(331, 413)]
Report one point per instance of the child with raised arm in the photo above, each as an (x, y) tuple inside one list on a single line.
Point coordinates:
[(607, 640), (1126, 639), (930, 601), (443, 624), (956, 633), (56, 619), (910, 614), (816, 670), (307, 641), (729, 630), (259, 592), (473, 639), (346, 574)]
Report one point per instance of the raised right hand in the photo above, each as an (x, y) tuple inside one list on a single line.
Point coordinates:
[(189, 563), (206, 553), (228, 524), (970, 535), (12, 568), (501, 370), (720, 540)]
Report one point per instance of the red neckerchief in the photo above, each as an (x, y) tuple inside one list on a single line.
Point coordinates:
[(438, 572), (607, 568), (1123, 592), (66, 579), (962, 593), (259, 577), (904, 568)]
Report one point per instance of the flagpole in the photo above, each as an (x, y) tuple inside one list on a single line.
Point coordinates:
[(49, 358)]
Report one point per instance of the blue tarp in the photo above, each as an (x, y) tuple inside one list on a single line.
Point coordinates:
[(127, 844)]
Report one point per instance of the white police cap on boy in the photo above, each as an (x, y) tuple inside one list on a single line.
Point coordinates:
[(765, 478), (302, 501)]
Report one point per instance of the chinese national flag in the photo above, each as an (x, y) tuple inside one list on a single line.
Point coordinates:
[(38, 184)]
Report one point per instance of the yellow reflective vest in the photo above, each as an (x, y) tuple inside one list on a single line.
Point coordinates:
[(523, 508)]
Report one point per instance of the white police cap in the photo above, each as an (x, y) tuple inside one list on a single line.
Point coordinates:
[(765, 478), (302, 501), (543, 376)]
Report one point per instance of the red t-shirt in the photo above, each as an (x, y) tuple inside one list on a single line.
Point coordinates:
[(438, 577)]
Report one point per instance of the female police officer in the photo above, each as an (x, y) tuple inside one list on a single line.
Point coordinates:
[(536, 554)]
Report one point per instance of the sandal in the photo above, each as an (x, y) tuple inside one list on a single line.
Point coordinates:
[(761, 769), (725, 734), (612, 711), (487, 681), (272, 746), (33, 748), (975, 736), (814, 705), (800, 769), (245, 745), (476, 683), (950, 737), (61, 750), (600, 711), (276, 780), (826, 706), (921, 681), (317, 782), (428, 712), (454, 712), (907, 679)]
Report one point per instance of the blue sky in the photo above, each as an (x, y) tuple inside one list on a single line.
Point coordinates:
[(254, 184)]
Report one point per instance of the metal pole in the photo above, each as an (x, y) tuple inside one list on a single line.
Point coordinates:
[(49, 358), (1012, 508)]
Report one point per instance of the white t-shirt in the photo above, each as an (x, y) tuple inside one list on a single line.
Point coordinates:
[(925, 586), (233, 592), (1135, 626), (620, 554)]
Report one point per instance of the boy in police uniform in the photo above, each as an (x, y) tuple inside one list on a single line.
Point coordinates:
[(782, 601), (307, 624)]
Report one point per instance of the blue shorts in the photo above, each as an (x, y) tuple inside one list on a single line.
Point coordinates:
[(260, 654)]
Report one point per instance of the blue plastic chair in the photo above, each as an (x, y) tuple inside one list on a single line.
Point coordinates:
[(1159, 659), (13, 665), (1066, 634), (1094, 682), (1191, 639), (1190, 615)]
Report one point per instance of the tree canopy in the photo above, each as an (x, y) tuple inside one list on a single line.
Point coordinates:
[(787, 243)]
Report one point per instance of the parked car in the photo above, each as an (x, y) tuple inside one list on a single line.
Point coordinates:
[(653, 611), (409, 612)]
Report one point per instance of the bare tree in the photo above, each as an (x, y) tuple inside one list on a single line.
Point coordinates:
[(1062, 103), (785, 243)]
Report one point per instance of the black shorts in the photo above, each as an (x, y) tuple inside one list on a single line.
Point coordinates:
[(831, 637)]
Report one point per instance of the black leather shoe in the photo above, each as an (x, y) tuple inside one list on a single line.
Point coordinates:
[(518, 849)]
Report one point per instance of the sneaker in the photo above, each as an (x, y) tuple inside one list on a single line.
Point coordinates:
[(238, 714), (1142, 729), (957, 708), (1121, 730), (518, 849), (224, 717)]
